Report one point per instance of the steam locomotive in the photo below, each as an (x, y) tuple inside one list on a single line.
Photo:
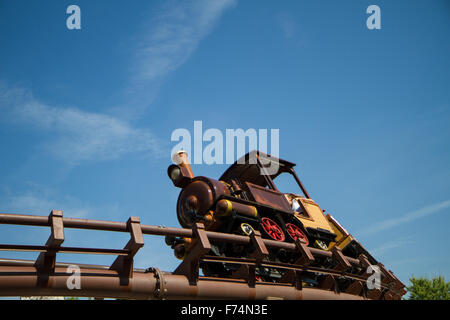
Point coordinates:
[(246, 198)]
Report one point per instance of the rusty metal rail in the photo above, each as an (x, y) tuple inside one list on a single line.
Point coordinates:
[(43, 221), (20, 277), (47, 277)]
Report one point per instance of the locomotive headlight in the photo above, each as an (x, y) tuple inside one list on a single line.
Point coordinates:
[(179, 175), (174, 172)]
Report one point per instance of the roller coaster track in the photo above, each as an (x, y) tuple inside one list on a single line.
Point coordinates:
[(47, 277)]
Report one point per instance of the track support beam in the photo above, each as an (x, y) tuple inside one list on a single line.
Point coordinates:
[(45, 262), (190, 266), (124, 264)]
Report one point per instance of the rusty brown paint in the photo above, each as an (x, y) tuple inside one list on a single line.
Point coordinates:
[(105, 281)]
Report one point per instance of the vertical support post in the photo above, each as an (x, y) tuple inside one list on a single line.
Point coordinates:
[(189, 267), (389, 280), (392, 281), (261, 251), (343, 263), (374, 294), (124, 264), (355, 288), (330, 282), (45, 263), (248, 272), (305, 259), (365, 263)]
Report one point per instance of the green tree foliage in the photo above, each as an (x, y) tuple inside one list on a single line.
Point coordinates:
[(425, 289)]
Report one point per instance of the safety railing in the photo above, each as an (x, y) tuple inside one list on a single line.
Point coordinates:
[(390, 287)]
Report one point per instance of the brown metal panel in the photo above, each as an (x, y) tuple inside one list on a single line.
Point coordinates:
[(269, 197), (343, 263), (261, 250), (328, 283), (355, 288), (124, 264), (374, 294), (190, 266), (45, 262), (306, 256)]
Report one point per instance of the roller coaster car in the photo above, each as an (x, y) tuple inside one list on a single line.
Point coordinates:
[(248, 197)]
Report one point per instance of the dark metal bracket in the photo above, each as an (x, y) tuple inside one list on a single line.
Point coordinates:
[(190, 265), (248, 272), (45, 262), (124, 264), (305, 259), (392, 282), (343, 263), (355, 288), (330, 281)]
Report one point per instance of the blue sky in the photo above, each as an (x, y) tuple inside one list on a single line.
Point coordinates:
[(86, 115)]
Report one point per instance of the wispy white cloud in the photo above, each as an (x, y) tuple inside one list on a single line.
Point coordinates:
[(32, 203), (287, 24), (398, 243), (408, 217), (170, 37), (38, 200), (174, 34), (79, 135)]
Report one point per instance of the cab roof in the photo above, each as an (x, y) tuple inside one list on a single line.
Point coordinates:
[(247, 168)]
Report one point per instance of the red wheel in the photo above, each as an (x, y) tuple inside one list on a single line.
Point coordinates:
[(272, 229), (296, 233)]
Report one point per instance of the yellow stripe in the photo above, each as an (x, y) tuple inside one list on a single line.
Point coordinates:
[(345, 242), (229, 207)]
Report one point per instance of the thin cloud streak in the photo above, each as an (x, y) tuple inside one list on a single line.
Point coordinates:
[(38, 199), (168, 41), (391, 245), (79, 135), (411, 216), (41, 202), (287, 24), (171, 41)]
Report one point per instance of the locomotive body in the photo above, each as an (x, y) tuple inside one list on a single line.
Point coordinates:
[(247, 197)]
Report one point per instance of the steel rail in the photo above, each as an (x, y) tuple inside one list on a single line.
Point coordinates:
[(286, 266), (293, 267), (34, 248), (46, 267), (22, 279), (76, 223)]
